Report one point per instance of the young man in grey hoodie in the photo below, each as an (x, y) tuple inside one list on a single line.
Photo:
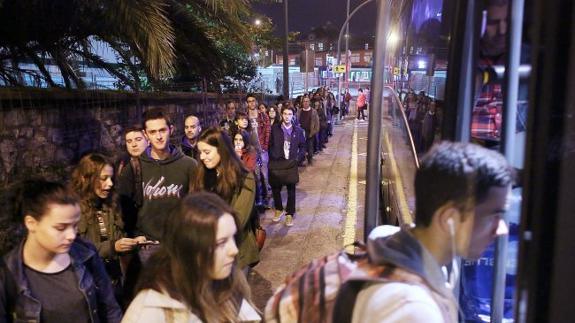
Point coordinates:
[(461, 195), (163, 178)]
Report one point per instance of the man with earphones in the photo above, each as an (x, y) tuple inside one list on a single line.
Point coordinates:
[(461, 193)]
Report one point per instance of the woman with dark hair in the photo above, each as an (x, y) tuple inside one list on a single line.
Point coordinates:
[(194, 276), (52, 276), (222, 172), (274, 114), (263, 108), (100, 220), (243, 123), (245, 150)]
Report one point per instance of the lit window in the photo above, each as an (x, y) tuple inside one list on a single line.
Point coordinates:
[(312, 46), (320, 46), (354, 58)]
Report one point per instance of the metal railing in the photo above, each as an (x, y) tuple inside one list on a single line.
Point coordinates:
[(397, 113)]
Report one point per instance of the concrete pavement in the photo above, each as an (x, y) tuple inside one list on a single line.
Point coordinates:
[(321, 211)]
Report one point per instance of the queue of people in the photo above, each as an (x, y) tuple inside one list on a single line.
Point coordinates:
[(121, 230), (423, 119), (170, 237)]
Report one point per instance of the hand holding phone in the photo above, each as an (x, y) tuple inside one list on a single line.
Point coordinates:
[(148, 242)]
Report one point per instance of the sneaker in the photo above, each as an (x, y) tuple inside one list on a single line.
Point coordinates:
[(289, 220), (278, 215)]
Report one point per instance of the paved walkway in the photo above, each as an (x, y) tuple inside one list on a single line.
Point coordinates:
[(321, 211)]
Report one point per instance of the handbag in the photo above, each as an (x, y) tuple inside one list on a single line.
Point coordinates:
[(260, 236), (283, 172)]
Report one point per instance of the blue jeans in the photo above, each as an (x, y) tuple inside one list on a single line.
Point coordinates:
[(264, 171)]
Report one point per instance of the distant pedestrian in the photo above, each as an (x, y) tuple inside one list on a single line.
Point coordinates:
[(361, 105), (347, 102), (287, 148), (309, 122), (195, 277), (428, 127), (192, 130), (227, 123)]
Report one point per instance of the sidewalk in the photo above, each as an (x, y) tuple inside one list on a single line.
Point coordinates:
[(321, 209)]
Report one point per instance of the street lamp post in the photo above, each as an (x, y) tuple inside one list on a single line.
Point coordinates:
[(285, 53), (345, 24)]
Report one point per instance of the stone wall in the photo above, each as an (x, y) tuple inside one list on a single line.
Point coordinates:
[(45, 132)]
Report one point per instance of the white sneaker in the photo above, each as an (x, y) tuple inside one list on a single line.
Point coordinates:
[(278, 215), (289, 220)]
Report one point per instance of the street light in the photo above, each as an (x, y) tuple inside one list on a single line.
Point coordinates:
[(257, 22), (392, 39)]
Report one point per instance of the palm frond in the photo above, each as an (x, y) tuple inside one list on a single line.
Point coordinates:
[(146, 26)]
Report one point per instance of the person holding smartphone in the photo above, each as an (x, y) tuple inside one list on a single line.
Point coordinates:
[(101, 220)]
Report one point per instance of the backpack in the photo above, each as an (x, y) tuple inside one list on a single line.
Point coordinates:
[(325, 290)]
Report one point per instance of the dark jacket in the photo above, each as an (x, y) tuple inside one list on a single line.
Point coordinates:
[(314, 123), (243, 203), (297, 145), (164, 183), (188, 149), (18, 305)]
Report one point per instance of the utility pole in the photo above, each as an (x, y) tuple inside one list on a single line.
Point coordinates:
[(285, 54), (346, 75), (338, 56)]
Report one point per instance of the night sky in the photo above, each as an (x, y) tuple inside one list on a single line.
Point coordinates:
[(305, 14)]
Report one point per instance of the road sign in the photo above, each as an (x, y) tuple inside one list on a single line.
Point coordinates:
[(396, 71), (339, 68)]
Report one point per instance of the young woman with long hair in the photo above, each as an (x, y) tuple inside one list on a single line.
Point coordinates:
[(245, 150), (100, 220), (194, 276), (52, 276), (274, 114), (222, 172)]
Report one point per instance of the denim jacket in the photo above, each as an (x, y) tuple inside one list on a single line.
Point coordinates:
[(17, 304)]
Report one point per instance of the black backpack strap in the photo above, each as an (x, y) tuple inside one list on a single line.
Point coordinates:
[(345, 300)]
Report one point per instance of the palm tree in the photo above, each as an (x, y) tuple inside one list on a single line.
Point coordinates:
[(151, 38)]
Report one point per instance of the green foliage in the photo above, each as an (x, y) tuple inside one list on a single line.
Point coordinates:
[(156, 42)]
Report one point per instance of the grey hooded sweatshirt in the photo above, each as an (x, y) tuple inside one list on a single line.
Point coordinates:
[(164, 183)]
